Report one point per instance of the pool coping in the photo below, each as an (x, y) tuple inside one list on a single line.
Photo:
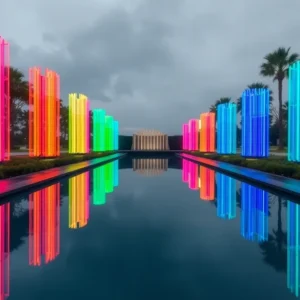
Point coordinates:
[(280, 184), (23, 183)]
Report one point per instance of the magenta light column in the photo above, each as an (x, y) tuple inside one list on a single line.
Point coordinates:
[(194, 134), (185, 137), (4, 101)]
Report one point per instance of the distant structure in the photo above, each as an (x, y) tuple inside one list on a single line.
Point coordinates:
[(150, 140), (150, 167)]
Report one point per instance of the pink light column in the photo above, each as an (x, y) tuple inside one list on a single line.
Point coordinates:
[(4, 101), (185, 136), (193, 130)]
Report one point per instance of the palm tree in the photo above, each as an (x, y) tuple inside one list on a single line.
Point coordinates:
[(276, 65), (255, 85), (213, 108)]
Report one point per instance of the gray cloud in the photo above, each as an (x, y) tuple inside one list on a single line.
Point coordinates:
[(151, 64)]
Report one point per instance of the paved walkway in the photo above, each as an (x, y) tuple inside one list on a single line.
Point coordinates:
[(281, 184), (16, 184)]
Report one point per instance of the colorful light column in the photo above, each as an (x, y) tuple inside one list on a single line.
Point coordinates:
[(98, 130), (254, 213), (79, 200), (226, 197), (293, 247), (206, 183), (185, 137), (226, 128), (255, 123), (294, 113), (109, 135), (115, 135), (44, 225), (207, 132), (4, 101), (4, 250), (193, 133), (79, 124), (44, 113)]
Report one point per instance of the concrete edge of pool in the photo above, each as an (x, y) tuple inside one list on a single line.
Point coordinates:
[(287, 186), (22, 183)]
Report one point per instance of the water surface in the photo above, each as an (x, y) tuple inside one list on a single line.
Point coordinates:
[(149, 229)]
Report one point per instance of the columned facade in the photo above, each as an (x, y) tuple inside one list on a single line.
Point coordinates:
[(150, 140)]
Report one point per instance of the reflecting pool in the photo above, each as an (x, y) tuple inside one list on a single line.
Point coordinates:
[(149, 228)]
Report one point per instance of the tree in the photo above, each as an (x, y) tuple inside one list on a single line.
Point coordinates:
[(213, 108), (255, 85), (19, 92), (276, 65), (64, 124)]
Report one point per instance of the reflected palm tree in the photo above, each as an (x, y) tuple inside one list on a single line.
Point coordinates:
[(275, 249)]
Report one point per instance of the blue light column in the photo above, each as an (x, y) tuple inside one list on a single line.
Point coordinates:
[(254, 213), (226, 128), (255, 123), (226, 197), (294, 113), (293, 246)]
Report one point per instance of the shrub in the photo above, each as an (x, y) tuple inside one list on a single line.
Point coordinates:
[(25, 165)]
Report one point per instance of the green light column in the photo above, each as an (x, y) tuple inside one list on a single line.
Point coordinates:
[(98, 130)]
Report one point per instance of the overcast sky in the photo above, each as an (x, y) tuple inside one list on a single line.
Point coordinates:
[(150, 63)]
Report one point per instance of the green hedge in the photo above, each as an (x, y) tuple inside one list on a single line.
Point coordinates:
[(274, 164), (25, 165)]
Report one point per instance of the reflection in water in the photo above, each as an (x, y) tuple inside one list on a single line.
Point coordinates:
[(199, 177), (105, 182), (44, 225), (293, 246), (207, 184), (254, 213), (4, 250), (226, 197), (79, 200), (150, 166)]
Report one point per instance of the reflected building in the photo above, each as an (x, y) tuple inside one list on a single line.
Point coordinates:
[(44, 225), (105, 179), (79, 200), (226, 197), (150, 166), (293, 246), (150, 140), (4, 250), (254, 213), (206, 183)]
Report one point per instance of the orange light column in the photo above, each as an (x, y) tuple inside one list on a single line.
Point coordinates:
[(4, 250), (44, 113), (44, 225), (207, 132)]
